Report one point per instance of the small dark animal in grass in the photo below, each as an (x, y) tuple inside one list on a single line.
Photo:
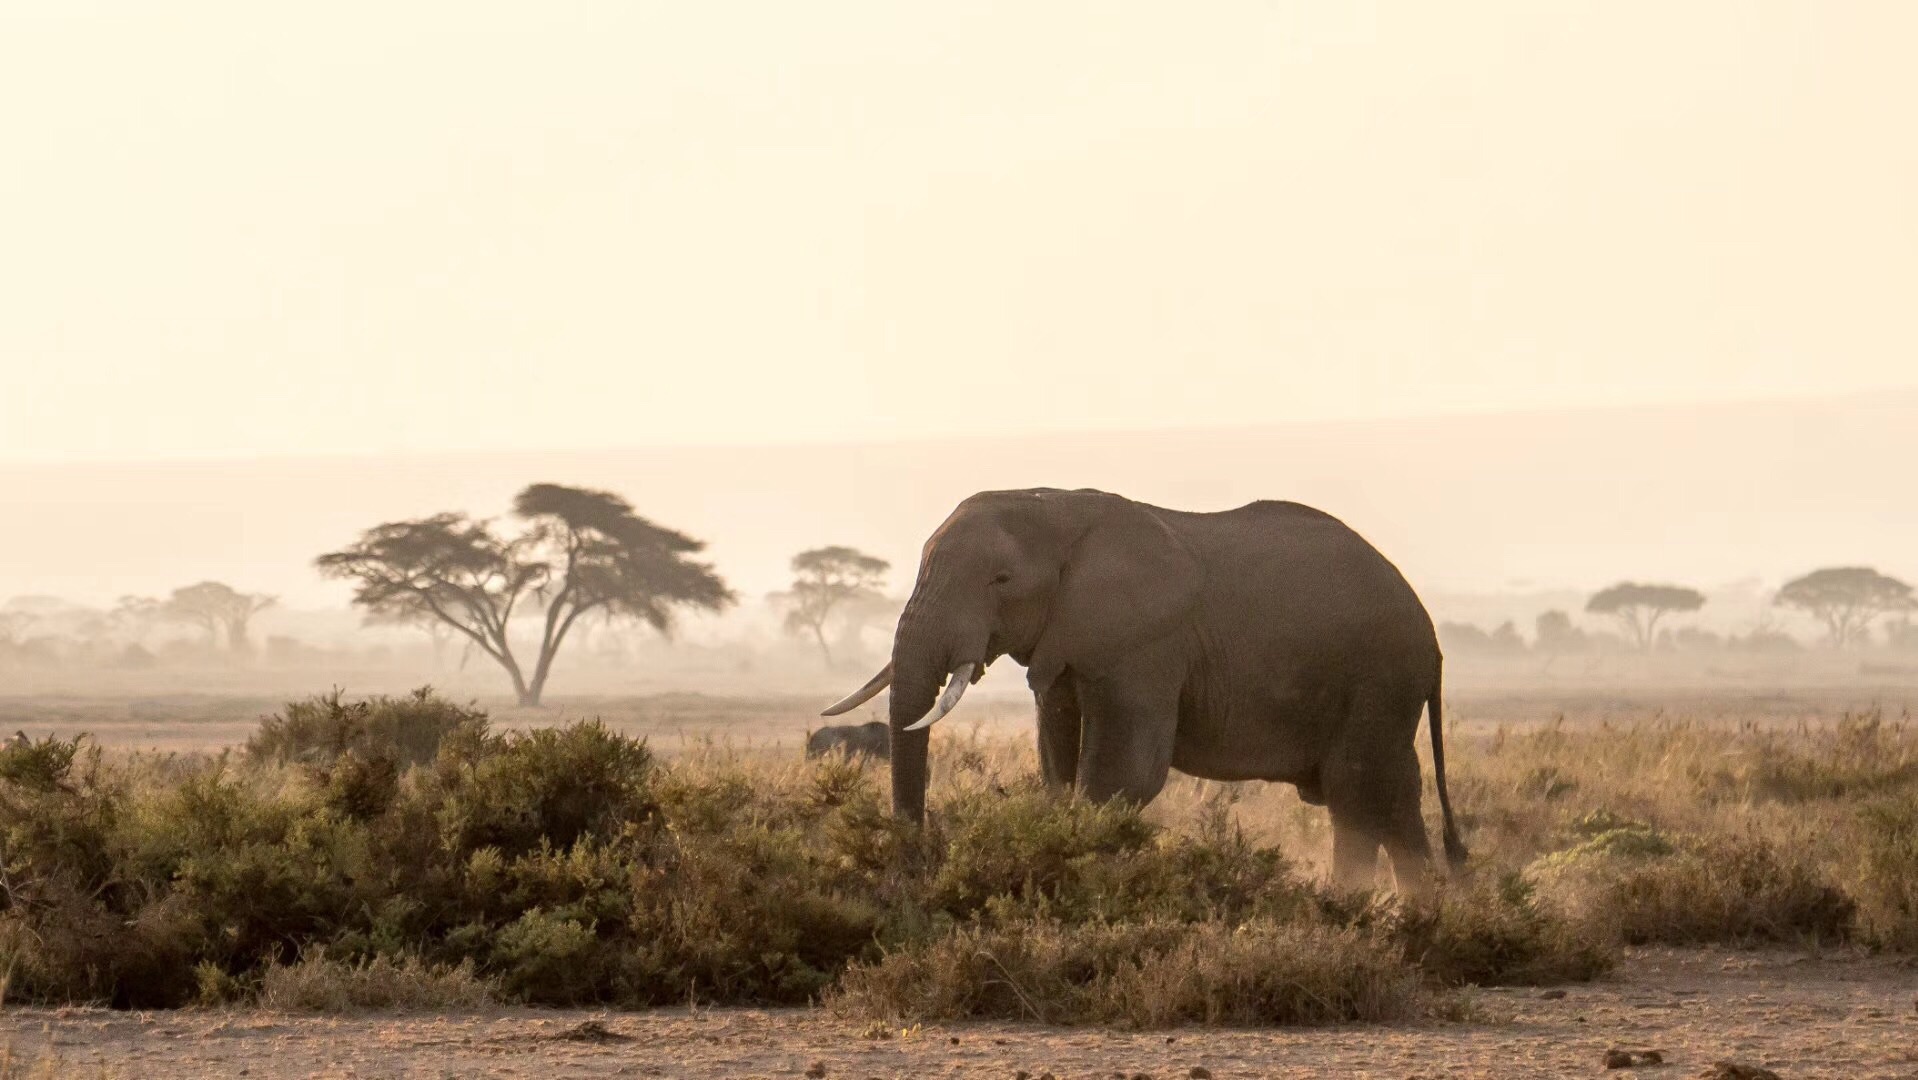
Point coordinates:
[(18, 738), (857, 740)]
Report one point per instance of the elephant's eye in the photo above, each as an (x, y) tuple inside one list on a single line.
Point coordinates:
[(1002, 577)]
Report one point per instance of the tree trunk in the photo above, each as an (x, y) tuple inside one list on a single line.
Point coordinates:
[(819, 635), (549, 650), (531, 694), (528, 696)]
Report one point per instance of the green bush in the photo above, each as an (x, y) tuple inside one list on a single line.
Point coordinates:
[(74, 925), (406, 730), (318, 983), (1144, 974), (551, 786), (1027, 850), (1642, 889), (558, 866), (1602, 835), (39, 766), (1493, 934)]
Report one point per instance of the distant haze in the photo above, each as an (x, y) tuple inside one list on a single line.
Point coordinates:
[(231, 229), (1501, 503), (1537, 296)]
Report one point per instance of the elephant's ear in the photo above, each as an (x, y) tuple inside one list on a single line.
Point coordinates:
[(1126, 581)]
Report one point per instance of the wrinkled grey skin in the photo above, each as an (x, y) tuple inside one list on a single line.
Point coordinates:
[(1270, 642), (858, 740)]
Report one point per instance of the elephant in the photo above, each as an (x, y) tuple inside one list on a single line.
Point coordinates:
[(858, 740), (1270, 642)]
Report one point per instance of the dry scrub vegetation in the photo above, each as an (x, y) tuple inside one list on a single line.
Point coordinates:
[(398, 853)]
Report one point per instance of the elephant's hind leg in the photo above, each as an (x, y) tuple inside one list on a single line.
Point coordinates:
[(1405, 838), (1059, 725), (1355, 854), (1348, 782), (1371, 782), (1374, 803)]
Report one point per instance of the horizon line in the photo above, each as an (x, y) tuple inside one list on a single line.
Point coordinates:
[(1876, 395)]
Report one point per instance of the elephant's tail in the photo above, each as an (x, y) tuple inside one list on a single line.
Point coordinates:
[(1455, 853)]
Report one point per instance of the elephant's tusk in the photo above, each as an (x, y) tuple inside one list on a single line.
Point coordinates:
[(955, 689), (863, 694)]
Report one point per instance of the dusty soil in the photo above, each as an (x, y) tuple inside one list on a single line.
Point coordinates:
[(1801, 1016)]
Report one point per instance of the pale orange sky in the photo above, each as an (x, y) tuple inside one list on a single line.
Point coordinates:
[(234, 229)]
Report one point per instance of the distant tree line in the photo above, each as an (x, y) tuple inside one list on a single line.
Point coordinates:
[(1847, 600), (516, 589), (31, 627)]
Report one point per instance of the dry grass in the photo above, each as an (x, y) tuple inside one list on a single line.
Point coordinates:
[(318, 984), (1677, 832), (1149, 974), (1772, 829), (570, 865)]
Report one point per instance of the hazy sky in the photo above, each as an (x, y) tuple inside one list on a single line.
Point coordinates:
[(244, 228)]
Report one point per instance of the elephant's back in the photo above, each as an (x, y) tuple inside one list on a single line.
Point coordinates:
[(1302, 570)]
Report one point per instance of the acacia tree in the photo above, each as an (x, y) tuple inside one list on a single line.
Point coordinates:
[(1639, 607), (579, 551), (135, 616), (212, 606), (1846, 599), (829, 579)]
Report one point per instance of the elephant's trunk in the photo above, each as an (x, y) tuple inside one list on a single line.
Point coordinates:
[(912, 697), (925, 649)]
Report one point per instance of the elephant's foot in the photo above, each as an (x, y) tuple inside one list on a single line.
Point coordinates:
[(1355, 858), (1411, 852)]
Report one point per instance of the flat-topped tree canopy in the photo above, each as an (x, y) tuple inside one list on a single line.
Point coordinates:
[(1846, 599), (832, 581), (581, 551), (1638, 608)]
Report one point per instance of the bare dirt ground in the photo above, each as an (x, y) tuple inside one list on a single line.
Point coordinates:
[(1837, 1015)]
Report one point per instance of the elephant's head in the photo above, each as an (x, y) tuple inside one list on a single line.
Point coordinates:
[(1054, 579)]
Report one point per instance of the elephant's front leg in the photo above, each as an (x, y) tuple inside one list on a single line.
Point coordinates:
[(1058, 708), (1125, 750)]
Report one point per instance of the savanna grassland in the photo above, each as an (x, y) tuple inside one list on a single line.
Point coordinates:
[(412, 885)]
